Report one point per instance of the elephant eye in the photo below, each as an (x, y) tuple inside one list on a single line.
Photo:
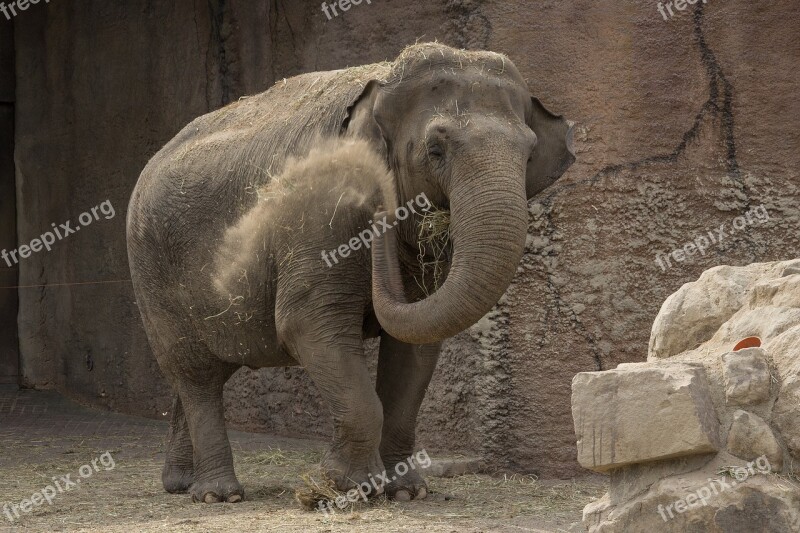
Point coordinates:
[(434, 150)]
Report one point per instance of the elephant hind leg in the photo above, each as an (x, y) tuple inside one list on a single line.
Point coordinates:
[(199, 377), (178, 473), (214, 477)]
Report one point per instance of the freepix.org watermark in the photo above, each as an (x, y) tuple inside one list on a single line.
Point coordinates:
[(701, 496), (22, 5), (680, 5), (60, 485), (344, 5), (756, 215), (48, 239), (363, 491), (366, 237)]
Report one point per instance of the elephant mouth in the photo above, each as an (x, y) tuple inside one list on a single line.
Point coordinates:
[(435, 247)]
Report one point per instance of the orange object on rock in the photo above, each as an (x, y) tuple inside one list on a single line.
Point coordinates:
[(749, 342)]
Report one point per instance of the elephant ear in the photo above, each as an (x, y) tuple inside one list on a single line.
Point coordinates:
[(553, 153), (360, 120)]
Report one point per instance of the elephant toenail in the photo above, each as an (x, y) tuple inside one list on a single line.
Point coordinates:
[(422, 493), (402, 496), (234, 498), (210, 497)]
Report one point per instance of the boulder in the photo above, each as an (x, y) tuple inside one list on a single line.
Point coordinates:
[(638, 413), (750, 438), (695, 312), (747, 377), (455, 466)]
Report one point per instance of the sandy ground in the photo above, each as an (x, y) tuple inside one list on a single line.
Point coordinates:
[(43, 436)]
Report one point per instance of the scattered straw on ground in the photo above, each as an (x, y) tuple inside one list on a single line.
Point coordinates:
[(130, 497)]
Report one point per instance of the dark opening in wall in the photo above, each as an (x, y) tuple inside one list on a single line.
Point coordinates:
[(9, 274)]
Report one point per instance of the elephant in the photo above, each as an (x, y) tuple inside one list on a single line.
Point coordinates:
[(229, 222)]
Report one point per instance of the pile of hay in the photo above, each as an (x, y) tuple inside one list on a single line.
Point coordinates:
[(319, 488)]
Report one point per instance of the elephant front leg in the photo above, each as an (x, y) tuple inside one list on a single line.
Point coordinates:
[(404, 372), (338, 369)]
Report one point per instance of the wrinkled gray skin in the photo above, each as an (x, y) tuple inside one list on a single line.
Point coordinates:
[(461, 127)]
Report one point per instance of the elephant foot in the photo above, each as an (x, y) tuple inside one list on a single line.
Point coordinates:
[(217, 491), (177, 480), (406, 487), (366, 475)]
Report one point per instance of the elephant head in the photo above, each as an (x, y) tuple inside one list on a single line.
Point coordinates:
[(462, 128)]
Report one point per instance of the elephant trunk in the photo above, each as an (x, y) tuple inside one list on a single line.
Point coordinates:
[(489, 222)]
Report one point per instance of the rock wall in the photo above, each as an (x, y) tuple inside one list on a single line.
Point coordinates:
[(683, 125)]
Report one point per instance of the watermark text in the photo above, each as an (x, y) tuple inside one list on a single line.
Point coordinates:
[(756, 215), (60, 485), (47, 239), (363, 491), (715, 486), (379, 227)]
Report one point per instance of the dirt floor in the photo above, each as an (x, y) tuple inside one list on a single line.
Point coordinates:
[(43, 436)]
